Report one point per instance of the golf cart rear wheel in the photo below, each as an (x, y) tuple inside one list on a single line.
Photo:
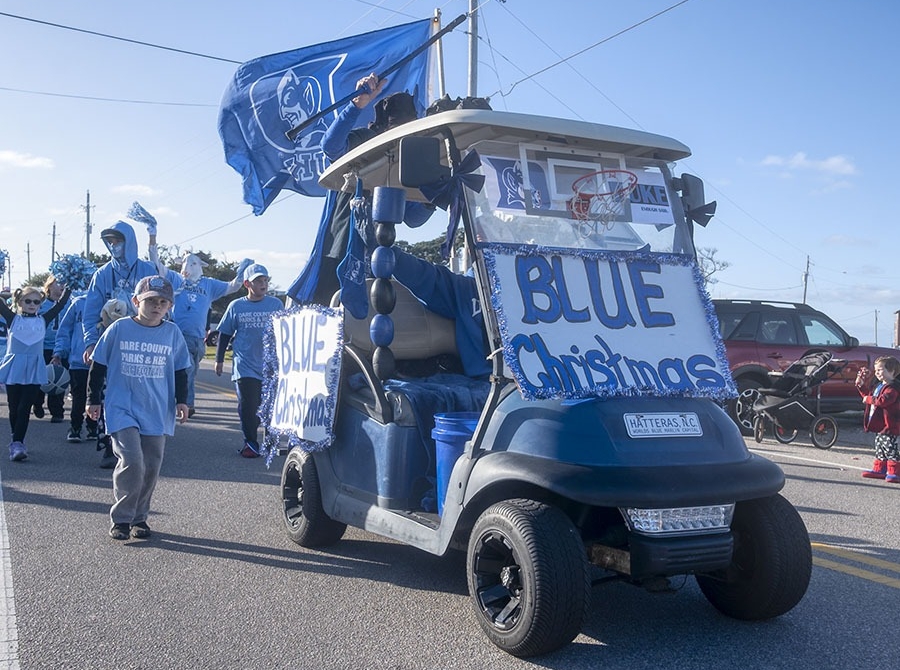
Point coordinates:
[(785, 435), (528, 577), (824, 432), (771, 564), (301, 497)]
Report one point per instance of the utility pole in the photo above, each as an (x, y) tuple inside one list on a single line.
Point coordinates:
[(87, 227), (473, 49), (876, 327), (53, 244), (28, 256), (805, 279)]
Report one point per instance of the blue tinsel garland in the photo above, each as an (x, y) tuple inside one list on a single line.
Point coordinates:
[(4, 254)]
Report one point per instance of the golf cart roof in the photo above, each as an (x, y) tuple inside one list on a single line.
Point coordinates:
[(377, 161)]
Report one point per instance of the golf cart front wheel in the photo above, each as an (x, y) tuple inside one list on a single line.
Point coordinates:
[(304, 518), (528, 577), (824, 432), (770, 566)]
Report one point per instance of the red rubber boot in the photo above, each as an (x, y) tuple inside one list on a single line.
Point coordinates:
[(893, 472), (879, 470)]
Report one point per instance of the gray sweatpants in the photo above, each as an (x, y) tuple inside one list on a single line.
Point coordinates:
[(136, 474)]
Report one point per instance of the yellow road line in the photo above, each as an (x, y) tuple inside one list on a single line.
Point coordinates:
[(857, 556), (857, 572), (868, 575)]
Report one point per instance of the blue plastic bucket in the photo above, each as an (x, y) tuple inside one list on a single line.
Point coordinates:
[(451, 432)]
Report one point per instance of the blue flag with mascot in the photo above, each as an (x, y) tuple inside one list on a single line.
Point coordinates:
[(270, 95)]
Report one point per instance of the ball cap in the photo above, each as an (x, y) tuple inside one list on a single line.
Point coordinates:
[(254, 271), (154, 287)]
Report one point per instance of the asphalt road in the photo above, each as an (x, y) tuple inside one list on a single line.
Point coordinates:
[(220, 586)]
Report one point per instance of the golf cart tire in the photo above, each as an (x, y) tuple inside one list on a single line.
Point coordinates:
[(771, 564), (304, 518), (528, 577)]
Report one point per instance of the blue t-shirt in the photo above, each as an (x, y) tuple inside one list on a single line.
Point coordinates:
[(192, 303), (246, 322), (140, 380)]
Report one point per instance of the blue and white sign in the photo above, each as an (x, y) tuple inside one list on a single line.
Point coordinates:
[(308, 346), (576, 324)]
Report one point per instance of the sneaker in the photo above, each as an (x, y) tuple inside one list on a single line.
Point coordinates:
[(74, 435), (250, 450), (17, 451), (56, 419), (119, 531), (108, 461), (38, 412), (191, 412), (92, 432), (140, 530)]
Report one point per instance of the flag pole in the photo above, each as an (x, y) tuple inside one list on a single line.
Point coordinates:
[(293, 132)]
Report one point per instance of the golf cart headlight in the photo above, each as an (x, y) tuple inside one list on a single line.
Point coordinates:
[(710, 518)]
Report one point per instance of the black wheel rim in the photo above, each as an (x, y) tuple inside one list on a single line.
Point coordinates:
[(498, 583), (292, 494)]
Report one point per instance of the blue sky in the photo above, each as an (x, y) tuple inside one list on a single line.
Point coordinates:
[(789, 108)]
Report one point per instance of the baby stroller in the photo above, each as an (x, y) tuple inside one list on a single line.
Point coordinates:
[(789, 405)]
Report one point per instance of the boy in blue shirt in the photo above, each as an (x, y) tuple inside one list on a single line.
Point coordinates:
[(243, 325), (144, 362)]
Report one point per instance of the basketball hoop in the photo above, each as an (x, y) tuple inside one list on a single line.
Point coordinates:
[(600, 196)]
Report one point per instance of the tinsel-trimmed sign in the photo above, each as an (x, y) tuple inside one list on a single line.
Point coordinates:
[(576, 324), (308, 344)]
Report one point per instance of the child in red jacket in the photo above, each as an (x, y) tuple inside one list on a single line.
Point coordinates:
[(882, 416)]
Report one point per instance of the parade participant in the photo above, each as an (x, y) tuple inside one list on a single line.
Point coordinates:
[(143, 361), (243, 325), (194, 295), (52, 292), (116, 279), (23, 368), (69, 350), (882, 416), (319, 279)]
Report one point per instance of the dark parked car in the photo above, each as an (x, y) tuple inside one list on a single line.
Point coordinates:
[(763, 336)]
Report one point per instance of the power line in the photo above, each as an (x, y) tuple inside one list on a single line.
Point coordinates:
[(116, 37), (593, 46), (99, 99)]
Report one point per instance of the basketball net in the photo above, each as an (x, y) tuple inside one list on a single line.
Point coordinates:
[(600, 198)]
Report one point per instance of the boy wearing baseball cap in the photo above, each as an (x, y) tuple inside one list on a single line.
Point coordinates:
[(144, 362), (243, 325)]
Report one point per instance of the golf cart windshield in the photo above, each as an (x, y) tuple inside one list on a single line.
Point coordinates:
[(578, 200)]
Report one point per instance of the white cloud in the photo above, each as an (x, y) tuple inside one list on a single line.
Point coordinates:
[(832, 165), (136, 190), (19, 160)]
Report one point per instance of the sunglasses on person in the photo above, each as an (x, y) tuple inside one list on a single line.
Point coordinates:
[(29, 301)]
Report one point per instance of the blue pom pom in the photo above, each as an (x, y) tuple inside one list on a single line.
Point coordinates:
[(381, 330)]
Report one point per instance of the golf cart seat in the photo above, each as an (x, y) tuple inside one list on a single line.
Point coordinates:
[(420, 338)]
